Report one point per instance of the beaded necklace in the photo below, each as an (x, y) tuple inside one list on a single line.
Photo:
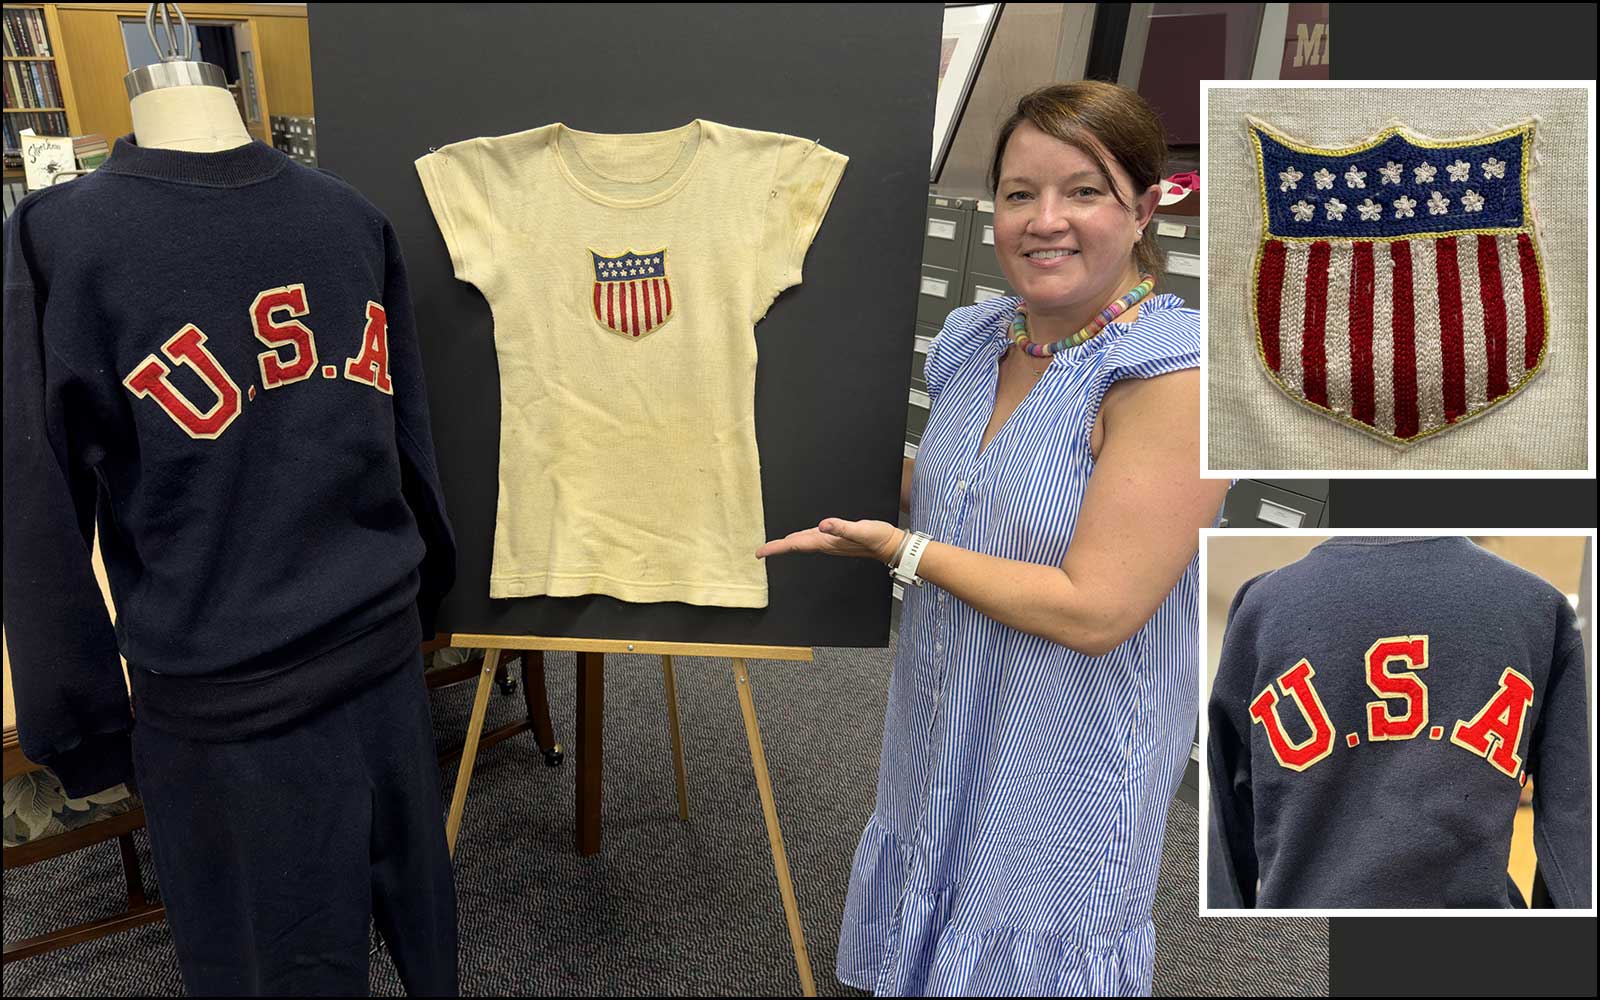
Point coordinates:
[(1019, 323)]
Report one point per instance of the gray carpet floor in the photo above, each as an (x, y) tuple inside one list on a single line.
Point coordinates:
[(667, 908)]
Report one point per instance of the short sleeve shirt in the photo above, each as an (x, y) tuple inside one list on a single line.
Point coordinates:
[(626, 274)]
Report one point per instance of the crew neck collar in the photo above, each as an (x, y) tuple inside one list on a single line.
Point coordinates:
[(1389, 539), (695, 131), (229, 168)]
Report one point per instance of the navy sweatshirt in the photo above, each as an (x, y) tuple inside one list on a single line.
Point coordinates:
[(1377, 709), (212, 356)]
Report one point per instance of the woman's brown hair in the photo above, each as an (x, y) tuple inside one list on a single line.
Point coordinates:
[(1123, 123)]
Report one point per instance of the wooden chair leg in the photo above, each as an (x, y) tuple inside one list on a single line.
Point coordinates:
[(538, 702), (769, 810), (677, 739), (130, 871), (147, 913)]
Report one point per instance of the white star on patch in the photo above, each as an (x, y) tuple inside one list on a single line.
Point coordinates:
[(1438, 204), (1460, 170), (1355, 178), (1472, 201), (1289, 178), (1335, 209), (1303, 210), (1425, 173), (1391, 172), (1493, 168), (1369, 210), (1323, 178), (1403, 207)]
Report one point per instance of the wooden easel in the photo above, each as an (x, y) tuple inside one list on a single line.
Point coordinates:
[(591, 699)]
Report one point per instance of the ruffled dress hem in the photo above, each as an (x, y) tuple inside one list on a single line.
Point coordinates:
[(921, 952)]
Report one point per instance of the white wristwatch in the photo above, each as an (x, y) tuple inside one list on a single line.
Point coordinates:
[(904, 569)]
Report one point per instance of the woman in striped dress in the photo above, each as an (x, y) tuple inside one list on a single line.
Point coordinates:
[(1043, 695)]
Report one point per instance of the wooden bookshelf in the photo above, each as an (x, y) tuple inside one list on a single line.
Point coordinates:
[(91, 60), (52, 27)]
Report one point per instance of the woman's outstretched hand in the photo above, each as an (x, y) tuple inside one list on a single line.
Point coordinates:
[(836, 537)]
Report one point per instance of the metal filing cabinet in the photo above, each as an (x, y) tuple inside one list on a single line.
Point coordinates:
[(980, 251), (983, 280), (948, 232), (945, 238), (1179, 236), (916, 416), (919, 355), (919, 358), (1277, 503), (940, 293), (981, 287)]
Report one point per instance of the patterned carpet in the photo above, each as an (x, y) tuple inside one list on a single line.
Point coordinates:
[(666, 908)]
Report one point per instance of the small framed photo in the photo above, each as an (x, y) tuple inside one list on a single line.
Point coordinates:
[(965, 41)]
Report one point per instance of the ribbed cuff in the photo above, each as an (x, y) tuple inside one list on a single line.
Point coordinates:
[(94, 765)]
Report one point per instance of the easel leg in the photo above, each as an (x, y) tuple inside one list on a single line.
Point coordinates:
[(591, 718), (780, 860), (677, 739), (469, 750)]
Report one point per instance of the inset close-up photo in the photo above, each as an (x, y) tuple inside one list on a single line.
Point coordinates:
[(1416, 296), (1398, 723)]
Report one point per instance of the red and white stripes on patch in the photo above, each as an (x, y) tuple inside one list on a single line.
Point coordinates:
[(633, 307), (1405, 336)]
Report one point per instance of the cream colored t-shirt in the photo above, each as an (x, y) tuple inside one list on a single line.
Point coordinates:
[(626, 273)]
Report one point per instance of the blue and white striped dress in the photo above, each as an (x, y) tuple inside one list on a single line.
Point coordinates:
[(1023, 788)]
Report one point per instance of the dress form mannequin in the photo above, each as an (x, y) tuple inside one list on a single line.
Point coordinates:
[(285, 825), (182, 104)]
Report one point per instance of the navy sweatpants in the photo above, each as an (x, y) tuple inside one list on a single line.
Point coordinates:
[(274, 852)]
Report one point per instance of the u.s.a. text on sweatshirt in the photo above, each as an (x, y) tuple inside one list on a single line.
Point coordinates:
[(211, 356), (1377, 708)]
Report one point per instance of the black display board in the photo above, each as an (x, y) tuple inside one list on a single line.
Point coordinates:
[(835, 352)]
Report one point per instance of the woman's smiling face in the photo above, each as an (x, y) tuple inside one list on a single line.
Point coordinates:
[(1062, 238)]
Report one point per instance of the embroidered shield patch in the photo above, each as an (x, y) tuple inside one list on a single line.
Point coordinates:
[(1398, 286), (632, 294)]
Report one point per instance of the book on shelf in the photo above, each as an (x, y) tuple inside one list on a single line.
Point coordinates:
[(32, 85), (90, 150), (41, 122), (25, 33)]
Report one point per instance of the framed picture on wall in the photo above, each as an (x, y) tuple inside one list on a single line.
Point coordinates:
[(967, 31)]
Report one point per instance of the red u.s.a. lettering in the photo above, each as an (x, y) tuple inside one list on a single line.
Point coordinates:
[(275, 318), (1400, 712)]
